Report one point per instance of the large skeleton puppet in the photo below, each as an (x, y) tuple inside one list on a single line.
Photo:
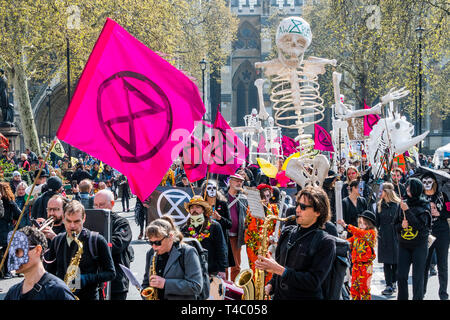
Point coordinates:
[(342, 112), (296, 97)]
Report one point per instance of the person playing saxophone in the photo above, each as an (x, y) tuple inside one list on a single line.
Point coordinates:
[(95, 267)]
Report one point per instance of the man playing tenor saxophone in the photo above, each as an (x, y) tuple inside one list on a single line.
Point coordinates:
[(296, 275), (95, 267)]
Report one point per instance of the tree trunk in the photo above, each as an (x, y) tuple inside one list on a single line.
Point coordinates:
[(22, 97)]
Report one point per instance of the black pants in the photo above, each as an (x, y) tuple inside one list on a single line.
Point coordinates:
[(440, 248), (119, 295), (125, 200), (390, 274), (415, 257)]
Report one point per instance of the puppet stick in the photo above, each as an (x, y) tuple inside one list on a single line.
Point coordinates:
[(204, 193), (26, 204)]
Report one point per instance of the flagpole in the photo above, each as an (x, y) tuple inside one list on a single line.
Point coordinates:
[(26, 204)]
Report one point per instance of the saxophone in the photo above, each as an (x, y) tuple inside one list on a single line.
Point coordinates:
[(151, 293), (73, 268), (254, 288)]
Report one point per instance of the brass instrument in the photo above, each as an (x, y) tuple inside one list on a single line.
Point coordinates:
[(73, 269), (151, 293), (48, 222), (254, 288)]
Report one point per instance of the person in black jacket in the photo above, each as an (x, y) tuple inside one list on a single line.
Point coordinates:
[(39, 208), (220, 212), (440, 229), (37, 283), (80, 174), (297, 275), (387, 209), (96, 265), (122, 252), (9, 211), (412, 223), (353, 205), (208, 232)]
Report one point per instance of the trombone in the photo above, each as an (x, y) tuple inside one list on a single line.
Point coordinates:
[(48, 222)]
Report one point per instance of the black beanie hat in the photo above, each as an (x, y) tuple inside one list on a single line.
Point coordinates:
[(415, 187), (54, 183)]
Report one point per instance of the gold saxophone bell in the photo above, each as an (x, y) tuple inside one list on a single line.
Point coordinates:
[(244, 280), (151, 293)]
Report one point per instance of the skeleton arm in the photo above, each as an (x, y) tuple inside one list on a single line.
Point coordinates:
[(262, 109), (314, 66)]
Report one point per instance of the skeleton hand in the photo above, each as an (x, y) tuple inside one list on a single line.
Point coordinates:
[(394, 95)]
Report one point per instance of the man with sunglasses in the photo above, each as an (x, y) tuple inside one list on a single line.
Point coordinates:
[(298, 275), (26, 254)]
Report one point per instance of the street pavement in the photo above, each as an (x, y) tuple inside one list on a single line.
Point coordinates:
[(141, 246)]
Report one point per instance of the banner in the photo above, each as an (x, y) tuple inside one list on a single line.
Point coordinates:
[(130, 109)]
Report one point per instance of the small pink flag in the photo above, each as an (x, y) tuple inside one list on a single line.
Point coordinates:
[(226, 151), (194, 166), (289, 146), (369, 121), (130, 109), (322, 139), (261, 145)]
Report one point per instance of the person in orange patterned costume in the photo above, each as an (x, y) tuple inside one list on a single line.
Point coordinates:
[(254, 226), (362, 245)]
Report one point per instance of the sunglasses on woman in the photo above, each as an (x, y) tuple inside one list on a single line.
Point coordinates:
[(157, 242), (303, 206)]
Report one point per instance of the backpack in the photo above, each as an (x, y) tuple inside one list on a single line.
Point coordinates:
[(203, 256), (333, 285)]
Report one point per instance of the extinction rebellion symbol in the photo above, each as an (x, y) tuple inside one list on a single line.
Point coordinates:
[(126, 89)]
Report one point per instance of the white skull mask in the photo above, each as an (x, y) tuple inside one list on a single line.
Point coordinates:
[(293, 38), (428, 183), (211, 189)]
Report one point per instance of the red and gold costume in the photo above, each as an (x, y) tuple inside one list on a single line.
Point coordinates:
[(252, 238), (362, 245)]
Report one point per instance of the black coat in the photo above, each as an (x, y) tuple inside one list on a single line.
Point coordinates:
[(11, 212), (216, 246), (350, 212), (122, 252), (225, 222), (387, 235), (419, 219), (95, 271), (39, 208), (304, 274)]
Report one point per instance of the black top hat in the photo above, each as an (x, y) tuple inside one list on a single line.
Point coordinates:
[(369, 215)]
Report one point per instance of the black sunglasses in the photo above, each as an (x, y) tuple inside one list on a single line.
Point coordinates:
[(303, 206), (157, 242)]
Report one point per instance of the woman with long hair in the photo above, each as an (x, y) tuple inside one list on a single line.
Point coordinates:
[(9, 211), (387, 208)]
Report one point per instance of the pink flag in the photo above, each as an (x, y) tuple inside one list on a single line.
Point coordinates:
[(194, 166), (226, 152), (322, 139), (128, 106), (289, 146), (369, 121)]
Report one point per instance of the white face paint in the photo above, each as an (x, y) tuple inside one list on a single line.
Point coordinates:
[(428, 183), (211, 189), (197, 220)]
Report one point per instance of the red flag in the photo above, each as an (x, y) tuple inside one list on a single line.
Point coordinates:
[(4, 142), (369, 121), (322, 139), (226, 151), (129, 108)]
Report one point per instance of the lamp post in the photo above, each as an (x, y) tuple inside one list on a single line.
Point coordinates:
[(203, 68), (419, 31), (49, 92)]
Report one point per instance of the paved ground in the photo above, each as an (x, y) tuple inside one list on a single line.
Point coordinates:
[(141, 247)]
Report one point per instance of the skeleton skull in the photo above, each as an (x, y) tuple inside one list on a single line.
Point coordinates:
[(293, 38), (428, 183), (211, 189)]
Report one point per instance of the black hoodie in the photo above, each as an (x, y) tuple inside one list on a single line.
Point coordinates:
[(418, 216), (439, 224)]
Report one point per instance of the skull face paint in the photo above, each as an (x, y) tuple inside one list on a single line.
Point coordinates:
[(18, 251), (428, 183), (211, 189)]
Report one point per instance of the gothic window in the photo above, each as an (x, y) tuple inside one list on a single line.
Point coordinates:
[(247, 37)]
